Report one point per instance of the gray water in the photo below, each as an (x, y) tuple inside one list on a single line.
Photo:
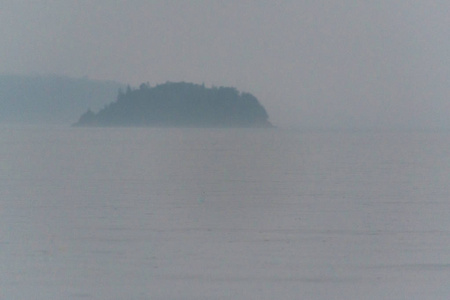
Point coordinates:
[(135, 213)]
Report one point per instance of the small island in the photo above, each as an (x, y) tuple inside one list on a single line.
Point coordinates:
[(180, 104)]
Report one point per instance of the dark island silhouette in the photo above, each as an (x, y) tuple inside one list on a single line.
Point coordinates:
[(180, 104)]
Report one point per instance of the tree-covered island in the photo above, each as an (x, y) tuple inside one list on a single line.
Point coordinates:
[(180, 105)]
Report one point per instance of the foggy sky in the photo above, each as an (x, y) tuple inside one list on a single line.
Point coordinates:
[(363, 64)]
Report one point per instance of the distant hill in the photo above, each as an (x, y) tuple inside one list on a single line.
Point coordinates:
[(51, 99), (180, 105)]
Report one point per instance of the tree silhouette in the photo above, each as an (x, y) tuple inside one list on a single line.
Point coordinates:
[(180, 104)]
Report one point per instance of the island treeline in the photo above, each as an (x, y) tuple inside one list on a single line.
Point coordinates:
[(180, 105)]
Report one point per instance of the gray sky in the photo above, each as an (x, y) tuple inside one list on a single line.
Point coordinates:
[(311, 63)]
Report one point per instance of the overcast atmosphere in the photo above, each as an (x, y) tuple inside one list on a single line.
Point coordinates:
[(363, 64)]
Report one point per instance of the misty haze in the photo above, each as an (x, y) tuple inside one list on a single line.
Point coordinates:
[(224, 150)]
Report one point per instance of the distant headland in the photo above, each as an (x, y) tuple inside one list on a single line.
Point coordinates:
[(51, 99), (180, 104)]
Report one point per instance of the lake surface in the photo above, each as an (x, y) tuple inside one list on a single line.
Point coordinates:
[(136, 213)]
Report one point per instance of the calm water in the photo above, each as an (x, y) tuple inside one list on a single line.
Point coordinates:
[(223, 214)]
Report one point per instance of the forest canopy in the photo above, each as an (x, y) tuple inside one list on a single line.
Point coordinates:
[(180, 104)]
